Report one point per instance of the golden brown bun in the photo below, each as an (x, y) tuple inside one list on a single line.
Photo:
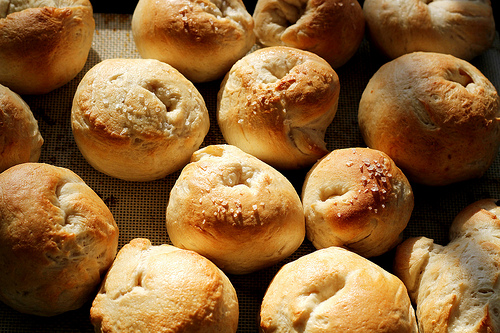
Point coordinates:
[(333, 29), (202, 39), (334, 290), (435, 115), (357, 198), (464, 29), (57, 238), (137, 119), (276, 104), (20, 139), (44, 44), (164, 289), (235, 210), (455, 287)]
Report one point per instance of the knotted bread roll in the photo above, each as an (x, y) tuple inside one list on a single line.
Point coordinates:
[(464, 29), (235, 210), (276, 104), (333, 29), (455, 286), (435, 115), (164, 289), (137, 119), (359, 199), (202, 38), (335, 290), (57, 239), (44, 44)]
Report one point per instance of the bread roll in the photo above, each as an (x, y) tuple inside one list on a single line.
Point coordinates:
[(44, 44), (164, 289), (333, 29), (20, 138), (334, 290), (359, 199), (235, 210), (435, 115), (455, 286), (57, 238), (464, 29), (137, 119), (202, 38), (276, 104)]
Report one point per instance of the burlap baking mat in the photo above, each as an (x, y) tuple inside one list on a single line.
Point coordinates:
[(139, 208)]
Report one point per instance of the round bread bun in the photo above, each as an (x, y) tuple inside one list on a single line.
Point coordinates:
[(464, 29), (137, 119), (333, 29), (44, 44), (20, 138), (435, 115), (235, 210), (57, 238), (335, 290), (359, 199), (164, 289), (201, 38), (276, 104)]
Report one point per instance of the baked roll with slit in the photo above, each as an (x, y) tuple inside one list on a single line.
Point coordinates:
[(359, 199), (464, 29), (336, 290), (160, 288), (44, 44), (57, 239), (235, 210), (277, 103), (437, 116)]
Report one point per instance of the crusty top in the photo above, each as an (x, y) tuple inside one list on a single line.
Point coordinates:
[(20, 138), (455, 286), (56, 239), (164, 289), (276, 104), (335, 290)]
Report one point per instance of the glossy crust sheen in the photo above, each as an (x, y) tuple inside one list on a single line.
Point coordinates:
[(164, 289), (464, 29), (234, 209), (20, 138), (276, 104), (43, 44), (455, 287), (359, 199), (201, 38), (334, 290), (333, 29), (137, 119), (435, 115), (57, 238)]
